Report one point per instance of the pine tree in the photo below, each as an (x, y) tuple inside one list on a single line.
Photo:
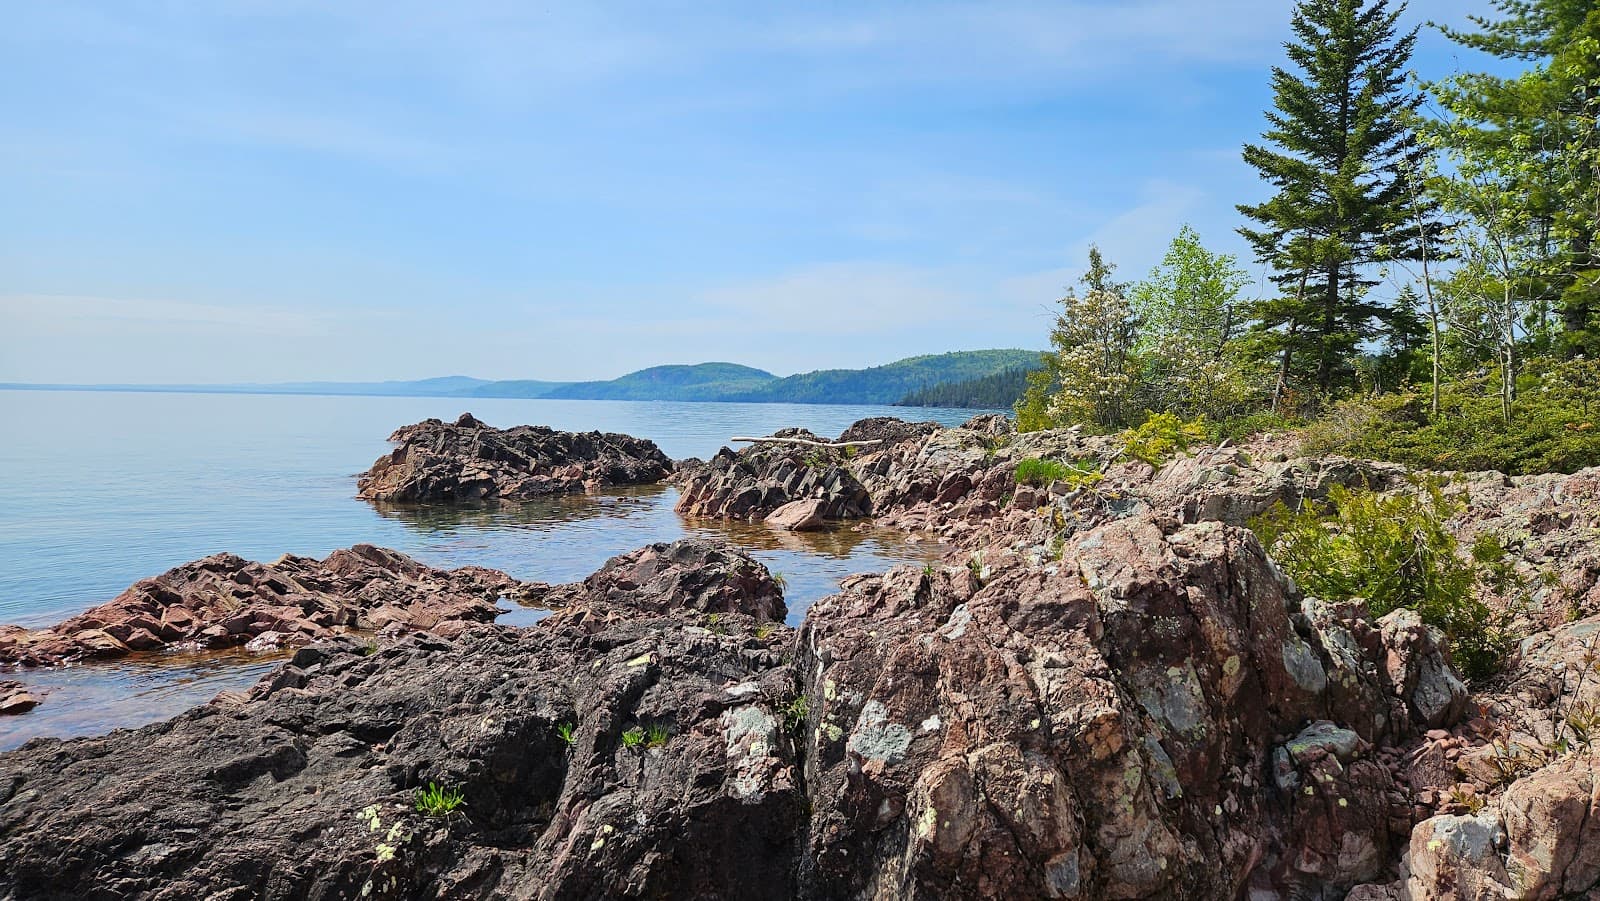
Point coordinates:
[(1336, 150)]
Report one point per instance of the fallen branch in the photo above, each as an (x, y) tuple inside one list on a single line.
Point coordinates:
[(807, 442)]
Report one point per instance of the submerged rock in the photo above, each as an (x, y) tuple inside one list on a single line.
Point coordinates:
[(224, 601), (469, 461), (15, 698)]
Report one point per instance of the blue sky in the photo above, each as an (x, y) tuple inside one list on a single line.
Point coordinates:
[(262, 190)]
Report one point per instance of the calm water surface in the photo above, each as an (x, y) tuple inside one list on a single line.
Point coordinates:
[(101, 489)]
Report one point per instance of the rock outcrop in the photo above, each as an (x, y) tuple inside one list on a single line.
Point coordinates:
[(1106, 691), (687, 577), (15, 698), (754, 482), (467, 461), (1145, 719), (637, 754), (224, 601)]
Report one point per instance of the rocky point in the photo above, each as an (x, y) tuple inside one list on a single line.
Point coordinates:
[(467, 461)]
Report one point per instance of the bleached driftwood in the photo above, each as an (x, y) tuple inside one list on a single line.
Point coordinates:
[(806, 441)]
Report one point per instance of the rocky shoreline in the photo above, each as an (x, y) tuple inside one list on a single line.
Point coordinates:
[(1103, 692)]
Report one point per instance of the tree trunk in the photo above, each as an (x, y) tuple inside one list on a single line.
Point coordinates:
[(1330, 309)]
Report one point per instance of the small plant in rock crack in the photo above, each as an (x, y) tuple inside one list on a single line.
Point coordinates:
[(634, 737), (435, 801), (369, 648), (714, 624), (928, 571), (568, 733), (656, 736), (978, 568), (1471, 800), (765, 629), (780, 580), (795, 713)]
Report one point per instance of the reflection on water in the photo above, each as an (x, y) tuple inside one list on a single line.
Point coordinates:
[(563, 539), (93, 698)]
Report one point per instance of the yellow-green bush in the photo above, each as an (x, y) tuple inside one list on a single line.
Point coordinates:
[(1392, 551)]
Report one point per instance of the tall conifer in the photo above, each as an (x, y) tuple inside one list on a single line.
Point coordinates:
[(1336, 150)]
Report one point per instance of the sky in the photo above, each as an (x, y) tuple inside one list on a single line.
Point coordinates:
[(289, 190)]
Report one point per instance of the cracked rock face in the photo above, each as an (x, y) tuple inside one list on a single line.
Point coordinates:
[(1096, 729), (759, 480), (467, 461)]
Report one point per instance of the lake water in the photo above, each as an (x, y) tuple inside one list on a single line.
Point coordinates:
[(101, 489)]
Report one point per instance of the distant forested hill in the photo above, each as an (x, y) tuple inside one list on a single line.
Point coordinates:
[(702, 381), (888, 384), (998, 391)]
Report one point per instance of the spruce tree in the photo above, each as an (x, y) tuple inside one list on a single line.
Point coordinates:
[(1336, 149)]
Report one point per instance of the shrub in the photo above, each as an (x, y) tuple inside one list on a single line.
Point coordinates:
[(1394, 551), (1161, 436), (434, 801), (1555, 425), (1040, 473)]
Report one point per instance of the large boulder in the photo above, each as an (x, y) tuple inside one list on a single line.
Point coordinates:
[(1144, 719), (224, 600), (756, 481), (690, 575), (469, 461)]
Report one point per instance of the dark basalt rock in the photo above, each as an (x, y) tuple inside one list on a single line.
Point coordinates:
[(469, 461), (690, 576), (756, 481), (225, 600), (305, 786), (888, 430)]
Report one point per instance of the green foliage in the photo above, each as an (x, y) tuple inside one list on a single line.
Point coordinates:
[(1162, 436), (997, 391), (1091, 373), (1235, 428), (656, 736), (568, 733), (633, 737), (434, 801), (1556, 426), (1535, 136), (1394, 551), (795, 712), (1337, 141), (1041, 473), (1189, 314), (780, 580)]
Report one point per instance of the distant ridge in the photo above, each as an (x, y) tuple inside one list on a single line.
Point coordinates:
[(728, 382)]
